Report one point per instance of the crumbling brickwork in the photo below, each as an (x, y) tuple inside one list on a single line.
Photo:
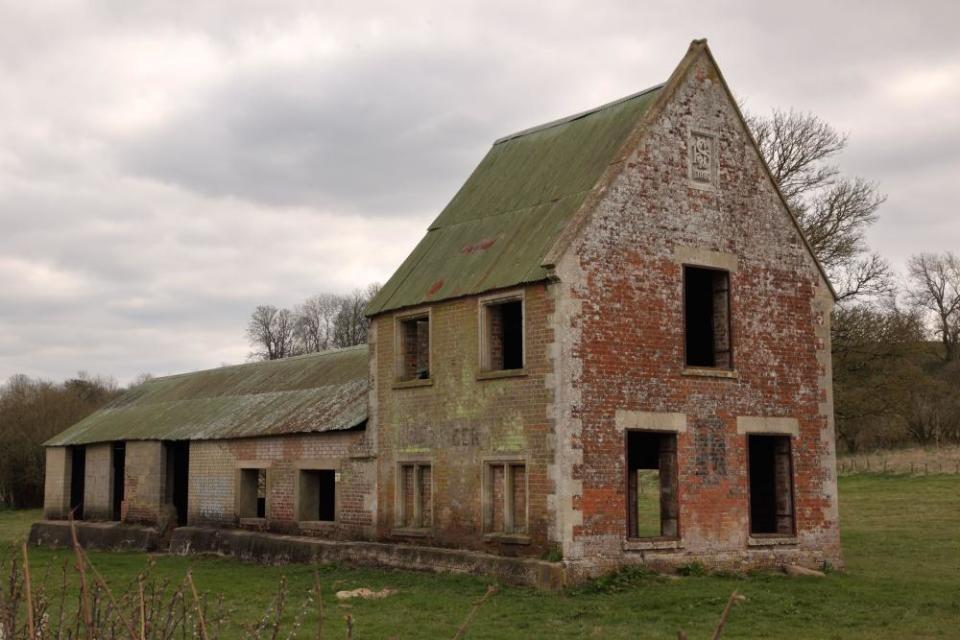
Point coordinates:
[(621, 309), (461, 418)]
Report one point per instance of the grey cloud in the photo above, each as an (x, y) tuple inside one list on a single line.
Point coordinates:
[(384, 136), (158, 202)]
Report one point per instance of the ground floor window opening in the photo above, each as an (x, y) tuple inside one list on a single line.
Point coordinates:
[(318, 495), (415, 496), (771, 485), (652, 506)]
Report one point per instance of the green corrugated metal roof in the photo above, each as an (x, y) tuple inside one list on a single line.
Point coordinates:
[(498, 228), (306, 394)]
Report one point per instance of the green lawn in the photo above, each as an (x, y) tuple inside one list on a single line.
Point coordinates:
[(901, 544)]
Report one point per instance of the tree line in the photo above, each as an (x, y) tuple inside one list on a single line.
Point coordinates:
[(33, 411)]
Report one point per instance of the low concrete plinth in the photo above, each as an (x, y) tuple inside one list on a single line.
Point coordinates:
[(95, 535), (278, 549)]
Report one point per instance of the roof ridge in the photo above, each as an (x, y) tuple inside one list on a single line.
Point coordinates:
[(302, 356), (577, 116)]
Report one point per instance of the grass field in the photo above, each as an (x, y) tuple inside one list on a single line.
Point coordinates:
[(900, 537)]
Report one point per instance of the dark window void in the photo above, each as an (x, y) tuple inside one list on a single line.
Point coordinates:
[(78, 471), (706, 300), (119, 472), (318, 495), (504, 328), (414, 504), (506, 500), (253, 493), (415, 348), (178, 478), (771, 485), (652, 506)]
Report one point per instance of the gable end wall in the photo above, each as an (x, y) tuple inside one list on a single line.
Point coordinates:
[(620, 306)]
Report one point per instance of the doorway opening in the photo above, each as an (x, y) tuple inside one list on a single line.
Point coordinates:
[(178, 477), (119, 470), (78, 472)]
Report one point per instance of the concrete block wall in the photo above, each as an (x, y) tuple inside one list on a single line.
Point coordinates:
[(214, 481), (145, 478), (620, 308), (98, 482), (56, 484), (460, 420)]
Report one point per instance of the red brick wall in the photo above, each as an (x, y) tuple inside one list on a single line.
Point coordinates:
[(623, 277)]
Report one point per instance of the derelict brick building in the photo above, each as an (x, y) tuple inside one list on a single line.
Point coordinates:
[(612, 346)]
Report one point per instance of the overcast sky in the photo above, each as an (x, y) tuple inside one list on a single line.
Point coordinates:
[(166, 166)]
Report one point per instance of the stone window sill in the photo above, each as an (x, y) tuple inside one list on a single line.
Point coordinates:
[(706, 372), (409, 532), (507, 538), (501, 373), (771, 540), (652, 544), (412, 384)]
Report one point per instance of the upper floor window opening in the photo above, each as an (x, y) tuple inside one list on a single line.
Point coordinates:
[(706, 317)]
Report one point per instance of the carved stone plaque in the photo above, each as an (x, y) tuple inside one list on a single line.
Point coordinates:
[(703, 159)]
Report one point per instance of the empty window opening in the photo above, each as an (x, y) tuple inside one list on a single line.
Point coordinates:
[(177, 478), (414, 362), (506, 500), (119, 471), (78, 472), (318, 495), (771, 485), (253, 493), (652, 506), (706, 298), (503, 335), (415, 496)]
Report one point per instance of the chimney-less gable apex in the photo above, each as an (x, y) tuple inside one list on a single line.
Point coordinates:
[(698, 48)]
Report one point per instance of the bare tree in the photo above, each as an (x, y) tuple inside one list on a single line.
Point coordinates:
[(315, 322), (322, 322), (935, 288), (833, 210), (351, 324), (270, 332)]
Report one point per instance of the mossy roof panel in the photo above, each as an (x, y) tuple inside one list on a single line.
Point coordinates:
[(498, 228), (306, 394)]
